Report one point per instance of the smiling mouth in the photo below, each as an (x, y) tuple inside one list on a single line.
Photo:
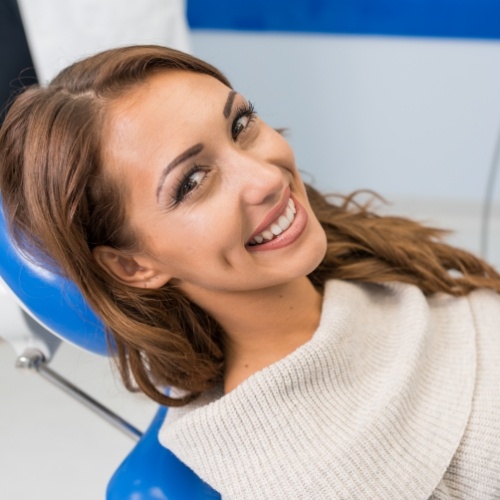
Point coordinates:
[(278, 226)]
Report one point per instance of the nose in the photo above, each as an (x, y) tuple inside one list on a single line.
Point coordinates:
[(256, 180)]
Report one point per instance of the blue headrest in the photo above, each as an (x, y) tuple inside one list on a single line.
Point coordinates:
[(51, 299)]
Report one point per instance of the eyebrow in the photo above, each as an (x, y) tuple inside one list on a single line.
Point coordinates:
[(229, 103), (192, 151)]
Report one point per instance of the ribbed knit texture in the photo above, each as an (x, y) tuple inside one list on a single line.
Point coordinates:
[(396, 396)]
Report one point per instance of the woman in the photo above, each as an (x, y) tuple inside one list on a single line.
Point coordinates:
[(316, 351)]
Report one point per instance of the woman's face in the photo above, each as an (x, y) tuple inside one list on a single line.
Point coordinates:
[(212, 192)]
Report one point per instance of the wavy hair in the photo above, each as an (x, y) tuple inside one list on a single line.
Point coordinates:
[(60, 205)]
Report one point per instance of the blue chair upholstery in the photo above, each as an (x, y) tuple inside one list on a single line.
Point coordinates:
[(148, 460), (149, 471)]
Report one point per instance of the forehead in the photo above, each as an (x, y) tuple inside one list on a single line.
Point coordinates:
[(172, 94), (160, 115), (153, 123)]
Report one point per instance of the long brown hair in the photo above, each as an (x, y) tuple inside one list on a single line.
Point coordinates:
[(60, 205)]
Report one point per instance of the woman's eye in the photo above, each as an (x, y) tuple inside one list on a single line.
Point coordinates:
[(190, 182), (244, 116), (239, 125)]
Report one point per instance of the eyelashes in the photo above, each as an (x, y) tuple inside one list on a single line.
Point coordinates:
[(196, 175), (246, 111), (188, 183)]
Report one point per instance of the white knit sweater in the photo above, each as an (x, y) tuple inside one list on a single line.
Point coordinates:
[(396, 396)]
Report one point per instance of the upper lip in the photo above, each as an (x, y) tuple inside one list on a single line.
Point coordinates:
[(273, 214)]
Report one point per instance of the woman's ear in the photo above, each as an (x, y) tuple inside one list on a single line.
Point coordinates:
[(132, 270)]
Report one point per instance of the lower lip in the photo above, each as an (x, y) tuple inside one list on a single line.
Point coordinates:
[(288, 236)]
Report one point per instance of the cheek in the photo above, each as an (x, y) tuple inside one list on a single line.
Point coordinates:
[(209, 231)]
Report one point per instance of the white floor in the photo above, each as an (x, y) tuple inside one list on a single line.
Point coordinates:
[(52, 448)]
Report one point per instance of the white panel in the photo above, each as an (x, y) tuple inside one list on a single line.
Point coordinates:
[(62, 31)]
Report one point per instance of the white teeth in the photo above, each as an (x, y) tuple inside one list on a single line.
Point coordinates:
[(283, 223), (275, 229)]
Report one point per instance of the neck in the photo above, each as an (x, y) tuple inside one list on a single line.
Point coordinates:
[(262, 326)]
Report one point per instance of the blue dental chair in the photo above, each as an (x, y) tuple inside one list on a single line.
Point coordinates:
[(53, 309)]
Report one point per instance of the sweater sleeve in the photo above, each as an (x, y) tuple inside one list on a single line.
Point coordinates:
[(475, 470)]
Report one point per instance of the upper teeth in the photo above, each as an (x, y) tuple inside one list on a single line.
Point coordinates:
[(282, 223)]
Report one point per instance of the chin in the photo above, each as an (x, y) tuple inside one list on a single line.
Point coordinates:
[(318, 255), (313, 253)]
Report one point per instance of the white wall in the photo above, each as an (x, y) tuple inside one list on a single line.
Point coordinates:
[(402, 116)]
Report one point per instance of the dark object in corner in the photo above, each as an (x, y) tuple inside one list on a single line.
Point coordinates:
[(16, 68)]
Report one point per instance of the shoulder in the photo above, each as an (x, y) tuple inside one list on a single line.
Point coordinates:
[(485, 305), (485, 311), (403, 308), (478, 301)]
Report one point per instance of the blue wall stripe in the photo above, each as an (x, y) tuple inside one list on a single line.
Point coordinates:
[(428, 18)]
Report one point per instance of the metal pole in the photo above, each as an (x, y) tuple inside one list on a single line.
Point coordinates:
[(34, 360)]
